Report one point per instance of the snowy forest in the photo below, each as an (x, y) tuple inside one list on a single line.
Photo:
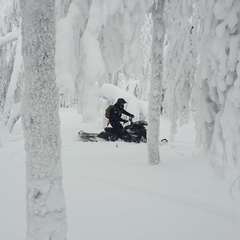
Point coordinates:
[(170, 59)]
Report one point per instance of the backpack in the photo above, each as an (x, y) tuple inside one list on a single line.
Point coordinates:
[(108, 111)]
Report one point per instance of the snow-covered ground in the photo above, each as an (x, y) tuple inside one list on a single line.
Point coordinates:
[(113, 193)]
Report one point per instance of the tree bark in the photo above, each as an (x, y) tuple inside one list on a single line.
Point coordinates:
[(45, 203), (154, 107)]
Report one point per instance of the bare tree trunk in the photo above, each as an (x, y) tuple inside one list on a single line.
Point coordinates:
[(46, 214), (155, 97)]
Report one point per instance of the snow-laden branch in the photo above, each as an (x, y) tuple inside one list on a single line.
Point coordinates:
[(138, 107), (8, 120), (8, 38)]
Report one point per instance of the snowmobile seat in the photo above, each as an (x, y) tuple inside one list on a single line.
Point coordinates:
[(104, 135), (109, 130)]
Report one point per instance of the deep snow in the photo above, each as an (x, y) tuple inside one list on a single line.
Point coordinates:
[(113, 193)]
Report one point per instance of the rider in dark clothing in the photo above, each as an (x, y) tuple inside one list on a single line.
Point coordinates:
[(116, 116)]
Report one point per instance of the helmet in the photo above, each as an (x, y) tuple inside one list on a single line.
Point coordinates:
[(121, 101)]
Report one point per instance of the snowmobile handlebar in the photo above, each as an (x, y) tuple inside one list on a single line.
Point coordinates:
[(130, 120)]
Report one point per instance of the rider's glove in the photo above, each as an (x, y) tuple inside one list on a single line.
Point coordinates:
[(132, 116)]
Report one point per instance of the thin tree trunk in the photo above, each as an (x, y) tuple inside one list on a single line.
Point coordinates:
[(45, 203), (155, 97)]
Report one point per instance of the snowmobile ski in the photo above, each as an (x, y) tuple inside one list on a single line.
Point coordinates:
[(88, 137)]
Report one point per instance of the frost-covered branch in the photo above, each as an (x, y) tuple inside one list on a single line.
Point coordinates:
[(10, 117), (180, 64), (7, 121), (9, 38), (6, 70)]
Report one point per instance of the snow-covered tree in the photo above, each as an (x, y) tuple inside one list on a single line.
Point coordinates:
[(154, 107), (205, 110), (91, 52), (70, 29), (217, 88), (45, 203), (8, 35), (93, 67), (179, 62), (146, 39), (110, 46), (124, 40), (10, 67)]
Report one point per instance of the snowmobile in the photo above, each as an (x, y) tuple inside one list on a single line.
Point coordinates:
[(133, 132)]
